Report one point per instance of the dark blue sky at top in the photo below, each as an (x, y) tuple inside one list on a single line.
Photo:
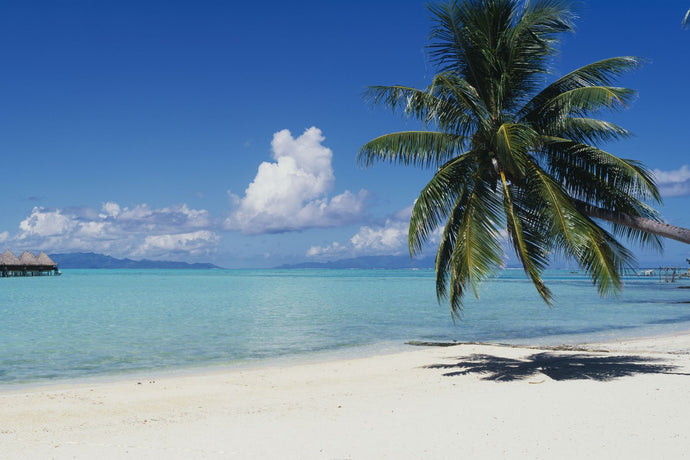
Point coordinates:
[(173, 104)]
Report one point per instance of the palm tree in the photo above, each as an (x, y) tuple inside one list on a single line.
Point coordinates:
[(513, 161)]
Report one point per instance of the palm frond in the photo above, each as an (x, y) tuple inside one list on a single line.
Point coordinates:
[(530, 43), (600, 186), (548, 18), (439, 197), (604, 260), (642, 238), (530, 248), (447, 49), (513, 142), (686, 20), (446, 244), (600, 73), (566, 157), (418, 148), (417, 103), (457, 92), (477, 255), (577, 236), (581, 102), (587, 130)]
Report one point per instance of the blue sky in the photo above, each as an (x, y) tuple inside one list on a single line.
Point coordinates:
[(223, 132)]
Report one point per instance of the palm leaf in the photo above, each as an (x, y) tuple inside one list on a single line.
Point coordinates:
[(418, 148), (604, 260), (577, 236), (420, 104), (439, 197), (600, 186), (446, 49), (513, 142), (529, 247), (629, 176), (447, 244), (601, 73), (587, 130), (456, 91), (528, 45), (477, 255), (641, 237), (583, 101)]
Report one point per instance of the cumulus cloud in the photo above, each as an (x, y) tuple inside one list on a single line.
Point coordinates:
[(193, 243), (291, 193), (675, 182), (334, 249), (387, 239), (119, 231), (110, 209), (391, 238), (45, 223)]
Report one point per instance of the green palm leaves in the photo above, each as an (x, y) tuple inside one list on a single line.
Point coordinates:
[(686, 19), (517, 164)]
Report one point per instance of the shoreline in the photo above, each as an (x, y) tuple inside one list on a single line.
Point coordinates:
[(563, 342), (70, 338), (287, 360), (603, 400), (343, 353)]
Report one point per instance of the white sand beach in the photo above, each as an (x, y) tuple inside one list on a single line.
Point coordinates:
[(624, 400)]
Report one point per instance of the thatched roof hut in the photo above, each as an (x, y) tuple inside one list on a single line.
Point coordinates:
[(28, 259), (7, 258), (27, 264), (44, 259)]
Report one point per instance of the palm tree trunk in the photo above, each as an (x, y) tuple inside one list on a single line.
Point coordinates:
[(640, 223)]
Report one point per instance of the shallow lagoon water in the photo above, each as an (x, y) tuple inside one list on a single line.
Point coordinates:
[(108, 322)]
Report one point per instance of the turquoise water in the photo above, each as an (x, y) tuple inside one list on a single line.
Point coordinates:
[(104, 322)]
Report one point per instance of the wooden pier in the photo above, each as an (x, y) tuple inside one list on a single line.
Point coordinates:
[(668, 274), (27, 264), (671, 274)]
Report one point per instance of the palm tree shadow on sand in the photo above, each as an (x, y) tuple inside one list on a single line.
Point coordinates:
[(556, 366)]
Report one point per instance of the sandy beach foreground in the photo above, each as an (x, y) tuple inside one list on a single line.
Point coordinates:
[(617, 400)]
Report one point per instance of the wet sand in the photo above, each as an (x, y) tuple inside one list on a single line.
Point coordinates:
[(616, 400)]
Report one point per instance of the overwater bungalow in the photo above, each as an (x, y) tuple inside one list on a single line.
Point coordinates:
[(27, 264)]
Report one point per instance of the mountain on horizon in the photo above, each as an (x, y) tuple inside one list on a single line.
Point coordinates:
[(93, 260), (366, 262)]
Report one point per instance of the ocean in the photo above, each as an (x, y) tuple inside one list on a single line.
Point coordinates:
[(105, 323)]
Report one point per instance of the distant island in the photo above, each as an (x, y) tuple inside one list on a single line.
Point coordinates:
[(367, 262), (92, 260)]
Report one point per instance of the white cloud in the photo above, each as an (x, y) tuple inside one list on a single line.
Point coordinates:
[(333, 249), (389, 239), (93, 229), (174, 218), (291, 193), (119, 231), (110, 209), (193, 243), (42, 223), (675, 182)]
